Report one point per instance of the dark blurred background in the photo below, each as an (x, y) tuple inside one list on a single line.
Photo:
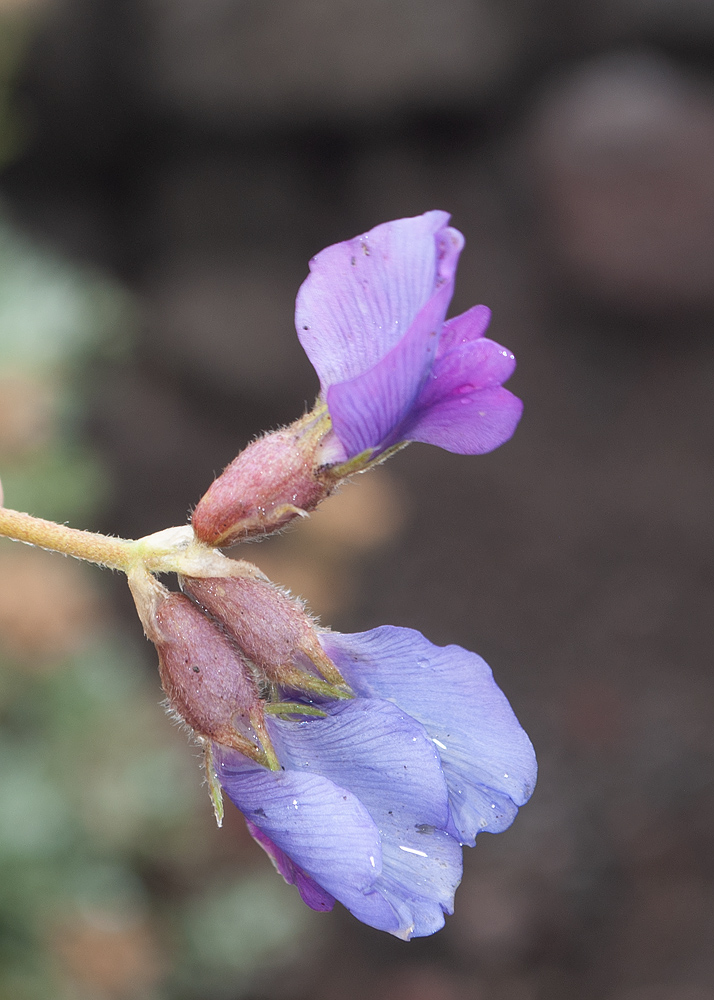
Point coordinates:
[(168, 170)]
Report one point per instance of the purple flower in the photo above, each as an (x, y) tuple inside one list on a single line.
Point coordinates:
[(374, 801), (371, 319)]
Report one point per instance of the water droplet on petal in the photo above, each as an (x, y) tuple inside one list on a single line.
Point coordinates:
[(413, 850)]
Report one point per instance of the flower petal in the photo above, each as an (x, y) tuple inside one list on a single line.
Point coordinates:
[(374, 749), (487, 758), (459, 330), (462, 406), (386, 759), (312, 893), (323, 829), (370, 410), (362, 295), (472, 424), (430, 861)]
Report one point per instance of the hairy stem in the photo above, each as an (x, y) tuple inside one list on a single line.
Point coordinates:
[(115, 553)]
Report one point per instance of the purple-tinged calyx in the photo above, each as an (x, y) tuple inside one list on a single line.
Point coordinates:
[(272, 481), (240, 655), (230, 651), (272, 631), (208, 682)]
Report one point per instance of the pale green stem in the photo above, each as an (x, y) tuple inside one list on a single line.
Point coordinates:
[(174, 550), (115, 553)]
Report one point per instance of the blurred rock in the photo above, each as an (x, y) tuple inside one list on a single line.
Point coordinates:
[(321, 558), (497, 922), (684, 19), (674, 991), (623, 150), (246, 200), (251, 61), (230, 326)]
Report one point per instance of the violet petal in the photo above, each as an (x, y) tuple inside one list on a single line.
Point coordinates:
[(462, 406), (487, 759), (374, 749), (362, 295), (386, 759), (313, 894), (370, 410), (462, 329), (470, 424), (324, 829)]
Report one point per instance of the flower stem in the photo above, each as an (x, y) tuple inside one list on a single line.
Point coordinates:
[(115, 553)]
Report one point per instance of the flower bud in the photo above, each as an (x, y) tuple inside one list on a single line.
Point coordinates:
[(207, 681), (274, 480), (271, 629)]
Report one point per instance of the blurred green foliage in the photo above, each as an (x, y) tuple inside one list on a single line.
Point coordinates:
[(53, 314), (54, 318)]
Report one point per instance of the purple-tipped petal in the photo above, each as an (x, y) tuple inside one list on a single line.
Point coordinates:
[(462, 406), (386, 759), (312, 893), (471, 325), (466, 358), (487, 759), (362, 295), (471, 424)]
